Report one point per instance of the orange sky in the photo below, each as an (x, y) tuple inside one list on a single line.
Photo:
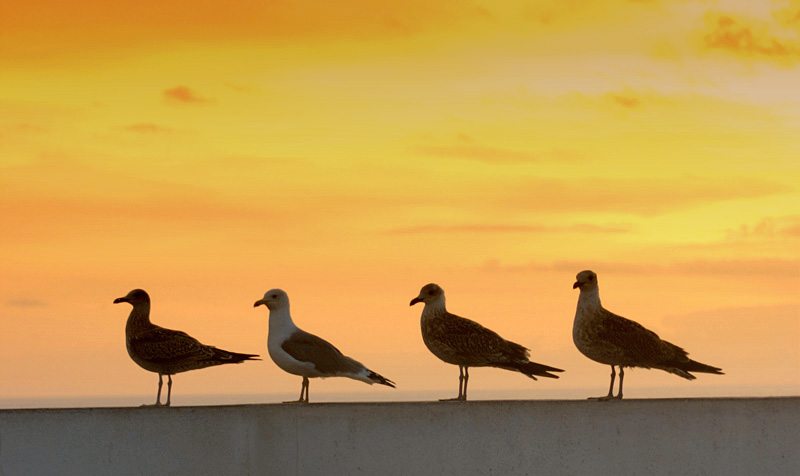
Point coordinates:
[(350, 153)]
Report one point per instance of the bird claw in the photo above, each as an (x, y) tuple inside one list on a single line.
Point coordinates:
[(605, 398), (456, 399)]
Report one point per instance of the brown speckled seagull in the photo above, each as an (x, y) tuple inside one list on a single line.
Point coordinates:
[(613, 340), (460, 341), (165, 351)]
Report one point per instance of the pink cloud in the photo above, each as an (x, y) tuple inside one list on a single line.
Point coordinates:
[(503, 228), (768, 228), (625, 100), (478, 152), (774, 267), (183, 94), (734, 36), (147, 128)]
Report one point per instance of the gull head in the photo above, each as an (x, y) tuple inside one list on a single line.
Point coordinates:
[(135, 297), (585, 280), (274, 299), (429, 294)]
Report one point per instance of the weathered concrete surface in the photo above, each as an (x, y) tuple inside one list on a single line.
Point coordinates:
[(675, 436)]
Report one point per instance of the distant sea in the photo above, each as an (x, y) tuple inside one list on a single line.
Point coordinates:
[(395, 396)]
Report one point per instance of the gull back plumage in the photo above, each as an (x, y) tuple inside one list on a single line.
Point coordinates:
[(613, 340), (167, 351), (460, 341)]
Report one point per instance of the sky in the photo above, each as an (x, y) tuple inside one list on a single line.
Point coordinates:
[(352, 152)]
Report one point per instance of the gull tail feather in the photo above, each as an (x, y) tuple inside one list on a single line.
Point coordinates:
[(378, 378), (682, 369), (532, 369), (227, 357), (695, 366)]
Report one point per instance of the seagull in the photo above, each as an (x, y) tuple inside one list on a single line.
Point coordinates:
[(300, 353), (463, 342), (613, 340), (165, 351)]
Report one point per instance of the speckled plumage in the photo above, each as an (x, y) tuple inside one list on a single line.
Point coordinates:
[(614, 340), (167, 351), (460, 341), (463, 342)]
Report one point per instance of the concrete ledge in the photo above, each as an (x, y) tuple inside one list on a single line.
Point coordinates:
[(674, 436)]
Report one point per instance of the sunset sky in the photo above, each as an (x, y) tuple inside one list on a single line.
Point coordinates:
[(351, 152)]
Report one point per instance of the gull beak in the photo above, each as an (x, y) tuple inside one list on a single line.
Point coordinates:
[(259, 302), (119, 300), (576, 285), (415, 300)]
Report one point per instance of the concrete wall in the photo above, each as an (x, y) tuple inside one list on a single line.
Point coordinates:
[(634, 437)]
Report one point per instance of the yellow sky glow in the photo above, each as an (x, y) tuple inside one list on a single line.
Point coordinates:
[(351, 153)]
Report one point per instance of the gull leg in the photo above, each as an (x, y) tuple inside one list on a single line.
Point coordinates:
[(466, 379), (462, 387), (621, 374), (611, 386), (169, 389), (158, 395), (303, 393)]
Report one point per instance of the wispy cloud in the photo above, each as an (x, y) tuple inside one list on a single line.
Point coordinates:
[(769, 228), (789, 16), (478, 152), (469, 148), (748, 38), (148, 128), (627, 100), (645, 196), (775, 267), (505, 228), (184, 94), (96, 199), (56, 28)]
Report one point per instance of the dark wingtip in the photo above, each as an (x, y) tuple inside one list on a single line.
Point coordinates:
[(533, 370), (543, 374), (378, 378), (695, 366), (228, 357)]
